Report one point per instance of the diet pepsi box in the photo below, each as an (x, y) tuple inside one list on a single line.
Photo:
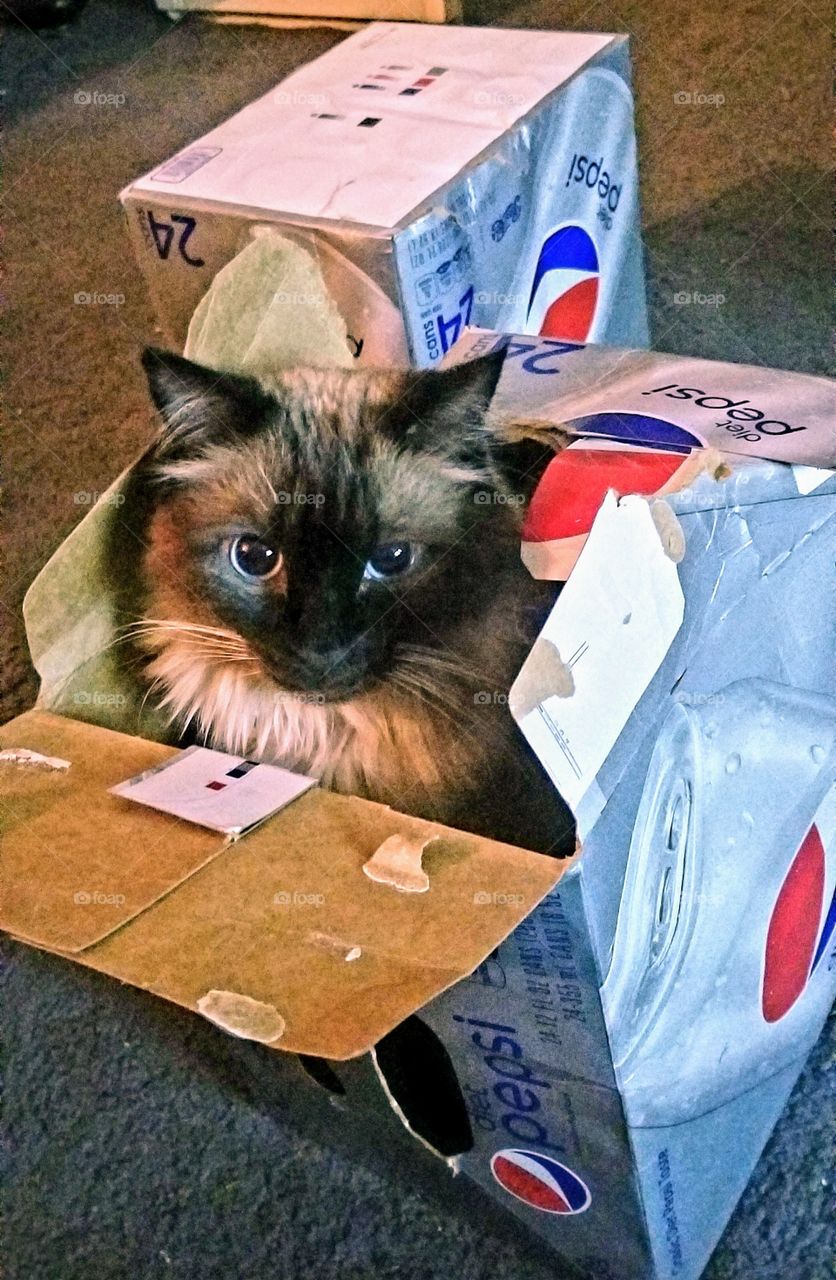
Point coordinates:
[(644, 1026), (650, 423), (437, 178)]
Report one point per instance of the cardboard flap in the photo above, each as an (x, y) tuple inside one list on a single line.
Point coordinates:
[(288, 919), (77, 862), (656, 400), (285, 923)]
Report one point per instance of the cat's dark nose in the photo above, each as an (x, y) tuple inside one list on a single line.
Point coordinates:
[(334, 668)]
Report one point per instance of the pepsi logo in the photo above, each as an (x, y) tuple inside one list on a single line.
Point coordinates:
[(639, 429), (540, 1182), (564, 292), (795, 939), (576, 482)]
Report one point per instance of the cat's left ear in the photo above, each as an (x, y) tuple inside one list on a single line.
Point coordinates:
[(444, 406), (198, 405), (450, 409)]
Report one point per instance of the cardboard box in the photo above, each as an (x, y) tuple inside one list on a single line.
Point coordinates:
[(435, 177), (590, 1041), (312, 12)]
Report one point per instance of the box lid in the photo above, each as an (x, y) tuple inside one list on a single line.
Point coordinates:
[(658, 400), (283, 920), (329, 141)]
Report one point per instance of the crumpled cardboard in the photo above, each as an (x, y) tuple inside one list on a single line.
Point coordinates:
[(268, 308)]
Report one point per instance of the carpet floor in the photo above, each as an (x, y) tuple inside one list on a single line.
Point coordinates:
[(139, 1146)]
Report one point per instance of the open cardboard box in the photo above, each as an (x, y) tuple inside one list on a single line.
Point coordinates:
[(597, 1037)]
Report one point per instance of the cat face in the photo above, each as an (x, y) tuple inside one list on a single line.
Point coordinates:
[(341, 529)]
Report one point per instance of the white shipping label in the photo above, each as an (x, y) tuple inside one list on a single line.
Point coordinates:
[(612, 626), (225, 793)]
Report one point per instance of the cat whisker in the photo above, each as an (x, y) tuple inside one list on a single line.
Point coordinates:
[(424, 657), (200, 640)]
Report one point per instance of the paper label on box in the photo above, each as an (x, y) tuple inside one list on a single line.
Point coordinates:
[(223, 792), (612, 627)]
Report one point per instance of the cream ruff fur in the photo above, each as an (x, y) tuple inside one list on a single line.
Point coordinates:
[(381, 745)]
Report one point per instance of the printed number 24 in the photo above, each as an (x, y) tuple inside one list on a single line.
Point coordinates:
[(449, 330), (163, 233)]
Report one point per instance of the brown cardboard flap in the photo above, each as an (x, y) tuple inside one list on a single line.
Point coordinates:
[(276, 917), (75, 862), (285, 917)]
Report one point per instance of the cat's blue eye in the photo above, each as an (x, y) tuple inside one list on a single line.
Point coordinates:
[(252, 557), (389, 560)]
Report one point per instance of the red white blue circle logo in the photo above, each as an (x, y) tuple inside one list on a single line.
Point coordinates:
[(796, 939), (540, 1182), (564, 292)]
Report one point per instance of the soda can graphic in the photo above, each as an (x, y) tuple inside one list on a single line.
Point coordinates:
[(722, 968)]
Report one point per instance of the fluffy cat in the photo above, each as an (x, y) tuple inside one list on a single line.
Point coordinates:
[(322, 569)]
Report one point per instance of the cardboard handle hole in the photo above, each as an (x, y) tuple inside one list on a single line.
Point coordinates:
[(322, 1072), (420, 1077)]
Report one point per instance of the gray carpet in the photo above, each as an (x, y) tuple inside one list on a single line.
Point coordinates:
[(142, 1143)]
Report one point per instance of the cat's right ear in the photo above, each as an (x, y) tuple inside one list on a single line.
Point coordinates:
[(199, 406)]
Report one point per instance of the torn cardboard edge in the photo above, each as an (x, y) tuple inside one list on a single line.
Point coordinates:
[(398, 862), (347, 951), (624, 597), (242, 1016), (34, 759), (543, 669), (452, 1162), (670, 531)]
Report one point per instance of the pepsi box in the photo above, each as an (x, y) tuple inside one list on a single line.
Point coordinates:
[(583, 1043), (655, 1010), (435, 178)]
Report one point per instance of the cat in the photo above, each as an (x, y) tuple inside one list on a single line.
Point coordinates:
[(322, 569)]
